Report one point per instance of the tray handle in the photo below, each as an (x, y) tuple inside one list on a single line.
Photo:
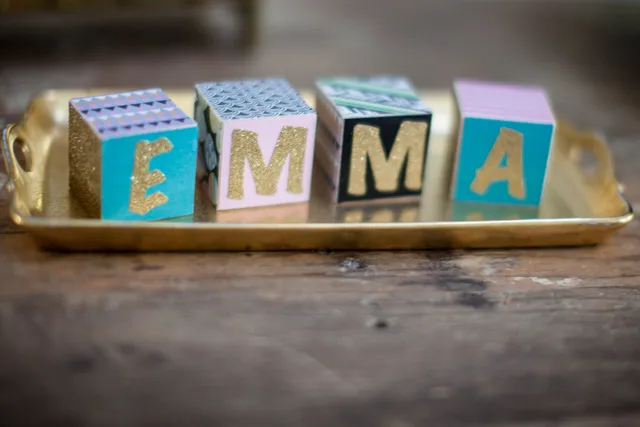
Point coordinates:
[(578, 144), (17, 156)]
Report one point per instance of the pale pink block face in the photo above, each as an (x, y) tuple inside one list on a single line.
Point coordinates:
[(268, 130)]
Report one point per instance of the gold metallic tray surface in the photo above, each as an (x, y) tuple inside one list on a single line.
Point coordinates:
[(581, 206)]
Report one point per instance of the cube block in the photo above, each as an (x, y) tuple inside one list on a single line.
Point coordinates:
[(132, 156), (505, 139), (373, 137), (256, 141)]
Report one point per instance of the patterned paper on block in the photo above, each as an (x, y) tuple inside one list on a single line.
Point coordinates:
[(256, 141), (132, 156), (372, 138), (504, 143)]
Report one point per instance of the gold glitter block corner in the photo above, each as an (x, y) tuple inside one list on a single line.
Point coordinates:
[(85, 148)]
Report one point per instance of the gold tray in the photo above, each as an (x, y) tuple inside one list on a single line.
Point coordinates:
[(581, 206)]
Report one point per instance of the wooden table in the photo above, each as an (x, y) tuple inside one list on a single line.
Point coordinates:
[(509, 338)]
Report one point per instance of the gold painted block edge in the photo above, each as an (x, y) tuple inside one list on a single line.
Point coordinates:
[(85, 167)]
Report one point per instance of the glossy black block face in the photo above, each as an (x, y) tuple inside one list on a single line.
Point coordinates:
[(383, 157)]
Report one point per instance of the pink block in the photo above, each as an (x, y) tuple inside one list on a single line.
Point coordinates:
[(268, 130), (256, 143), (499, 101)]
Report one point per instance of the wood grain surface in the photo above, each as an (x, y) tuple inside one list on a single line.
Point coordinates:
[(506, 338)]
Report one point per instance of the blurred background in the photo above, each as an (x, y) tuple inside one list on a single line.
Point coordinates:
[(584, 52)]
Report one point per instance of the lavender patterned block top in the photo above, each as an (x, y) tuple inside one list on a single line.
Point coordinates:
[(130, 113), (503, 101)]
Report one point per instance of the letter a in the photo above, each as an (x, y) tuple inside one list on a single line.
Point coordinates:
[(509, 144), (410, 142), (142, 179)]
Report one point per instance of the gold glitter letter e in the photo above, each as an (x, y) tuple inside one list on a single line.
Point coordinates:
[(244, 145), (142, 179), (508, 143), (410, 142)]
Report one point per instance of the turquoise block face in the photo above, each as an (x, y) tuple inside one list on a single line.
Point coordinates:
[(169, 193), (484, 145)]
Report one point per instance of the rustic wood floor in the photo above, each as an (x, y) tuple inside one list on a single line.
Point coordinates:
[(505, 338)]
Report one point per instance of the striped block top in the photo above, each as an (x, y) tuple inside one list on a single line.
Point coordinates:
[(375, 96)]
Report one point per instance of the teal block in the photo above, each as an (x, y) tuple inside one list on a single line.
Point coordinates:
[(505, 138), (477, 139), (177, 165), (132, 156)]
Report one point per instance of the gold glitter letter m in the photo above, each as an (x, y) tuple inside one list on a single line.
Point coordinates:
[(244, 145), (142, 179), (410, 143), (508, 143)]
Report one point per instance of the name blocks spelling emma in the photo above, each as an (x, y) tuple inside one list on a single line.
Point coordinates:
[(505, 140), (132, 156), (256, 140)]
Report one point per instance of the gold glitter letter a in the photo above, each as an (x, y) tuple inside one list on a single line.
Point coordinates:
[(410, 142), (508, 143), (244, 145), (142, 179)]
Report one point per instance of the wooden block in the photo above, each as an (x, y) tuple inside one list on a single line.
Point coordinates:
[(504, 142), (132, 156), (373, 136), (256, 140)]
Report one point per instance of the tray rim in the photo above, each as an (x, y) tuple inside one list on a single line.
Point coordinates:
[(36, 224)]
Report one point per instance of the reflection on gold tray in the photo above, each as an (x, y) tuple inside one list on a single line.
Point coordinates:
[(580, 207)]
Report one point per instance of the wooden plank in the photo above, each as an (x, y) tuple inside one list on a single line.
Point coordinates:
[(285, 343)]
